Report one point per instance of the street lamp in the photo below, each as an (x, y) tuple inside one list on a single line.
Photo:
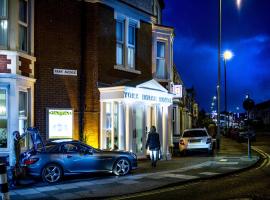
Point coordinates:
[(238, 2), (227, 55)]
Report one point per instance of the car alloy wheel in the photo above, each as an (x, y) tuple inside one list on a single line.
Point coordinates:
[(121, 167), (52, 173)]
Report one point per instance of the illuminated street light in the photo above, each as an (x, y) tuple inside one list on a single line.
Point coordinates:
[(238, 3), (227, 55)]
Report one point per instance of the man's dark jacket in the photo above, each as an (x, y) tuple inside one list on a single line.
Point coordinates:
[(153, 141)]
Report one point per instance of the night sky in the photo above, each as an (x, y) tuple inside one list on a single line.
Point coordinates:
[(246, 32)]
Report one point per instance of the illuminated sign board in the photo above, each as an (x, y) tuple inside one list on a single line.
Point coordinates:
[(60, 123), (140, 95), (177, 90)]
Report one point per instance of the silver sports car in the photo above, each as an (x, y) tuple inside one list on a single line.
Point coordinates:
[(62, 157)]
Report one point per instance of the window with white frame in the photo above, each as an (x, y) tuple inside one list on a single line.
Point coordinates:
[(3, 118), (24, 116), (126, 42), (120, 42), (23, 25), (161, 72), (3, 23)]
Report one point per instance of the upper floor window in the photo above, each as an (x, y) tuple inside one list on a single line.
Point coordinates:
[(3, 23), (161, 71), (120, 42), (23, 25), (126, 43)]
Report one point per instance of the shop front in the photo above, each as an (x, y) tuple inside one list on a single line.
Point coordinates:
[(128, 112)]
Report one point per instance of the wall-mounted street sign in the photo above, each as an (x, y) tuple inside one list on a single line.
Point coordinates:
[(65, 72)]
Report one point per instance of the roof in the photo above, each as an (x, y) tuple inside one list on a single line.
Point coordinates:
[(263, 105)]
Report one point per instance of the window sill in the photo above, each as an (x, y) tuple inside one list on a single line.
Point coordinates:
[(123, 68)]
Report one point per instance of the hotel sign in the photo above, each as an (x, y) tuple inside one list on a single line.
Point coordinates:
[(65, 72), (143, 96)]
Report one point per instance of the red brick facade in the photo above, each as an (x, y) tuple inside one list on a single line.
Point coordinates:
[(80, 36), (25, 66), (3, 64)]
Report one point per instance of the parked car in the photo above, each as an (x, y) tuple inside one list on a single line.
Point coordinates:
[(63, 157), (195, 139)]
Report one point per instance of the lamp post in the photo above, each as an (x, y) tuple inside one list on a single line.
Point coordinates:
[(227, 55), (218, 84)]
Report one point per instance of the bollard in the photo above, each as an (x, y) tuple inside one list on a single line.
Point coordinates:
[(3, 182)]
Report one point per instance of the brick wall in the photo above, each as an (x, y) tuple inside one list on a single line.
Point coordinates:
[(80, 35), (3, 64), (57, 45)]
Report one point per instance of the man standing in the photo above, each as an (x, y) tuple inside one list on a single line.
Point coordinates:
[(16, 171), (154, 145)]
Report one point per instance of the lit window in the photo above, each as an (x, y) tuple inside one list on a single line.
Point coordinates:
[(120, 42), (3, 23), (126, 41), (131, 45), (23, 25), (3, 118), (23, 117), (160, 61)]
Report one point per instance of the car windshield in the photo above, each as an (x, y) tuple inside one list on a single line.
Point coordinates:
[(195, 133)]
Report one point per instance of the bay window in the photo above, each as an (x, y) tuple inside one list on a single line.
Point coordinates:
[(161, 71), (3, 23), (23, 25), (3, 118), (24, 118)]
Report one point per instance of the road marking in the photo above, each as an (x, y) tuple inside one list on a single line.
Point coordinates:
[(265, 156), (209, 173), (180, 176), (227, 163)]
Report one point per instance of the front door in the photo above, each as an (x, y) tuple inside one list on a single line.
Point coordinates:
[(138, 130)]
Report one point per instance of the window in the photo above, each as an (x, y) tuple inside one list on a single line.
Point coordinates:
[(120, 42), (131, 45), (3, 118), (23, 118), (160, 61), (126, 41), (3, 23), (174, 121), (23, 25)]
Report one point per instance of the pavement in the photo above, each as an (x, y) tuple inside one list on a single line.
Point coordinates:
[(231, 158)]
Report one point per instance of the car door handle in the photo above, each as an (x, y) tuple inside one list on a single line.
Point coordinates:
[(69, 156)]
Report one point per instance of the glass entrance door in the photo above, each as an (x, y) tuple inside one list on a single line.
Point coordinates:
[(138, 130)]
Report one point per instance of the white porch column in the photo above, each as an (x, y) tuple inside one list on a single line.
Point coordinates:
[(165, 131), (102, 125), (121, 125), (128, 127), (158, 124)]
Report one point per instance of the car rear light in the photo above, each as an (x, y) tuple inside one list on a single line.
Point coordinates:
[(209, 140), (182, 142), (30, 161)]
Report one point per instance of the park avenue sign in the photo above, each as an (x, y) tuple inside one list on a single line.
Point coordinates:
[(65, 72)]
